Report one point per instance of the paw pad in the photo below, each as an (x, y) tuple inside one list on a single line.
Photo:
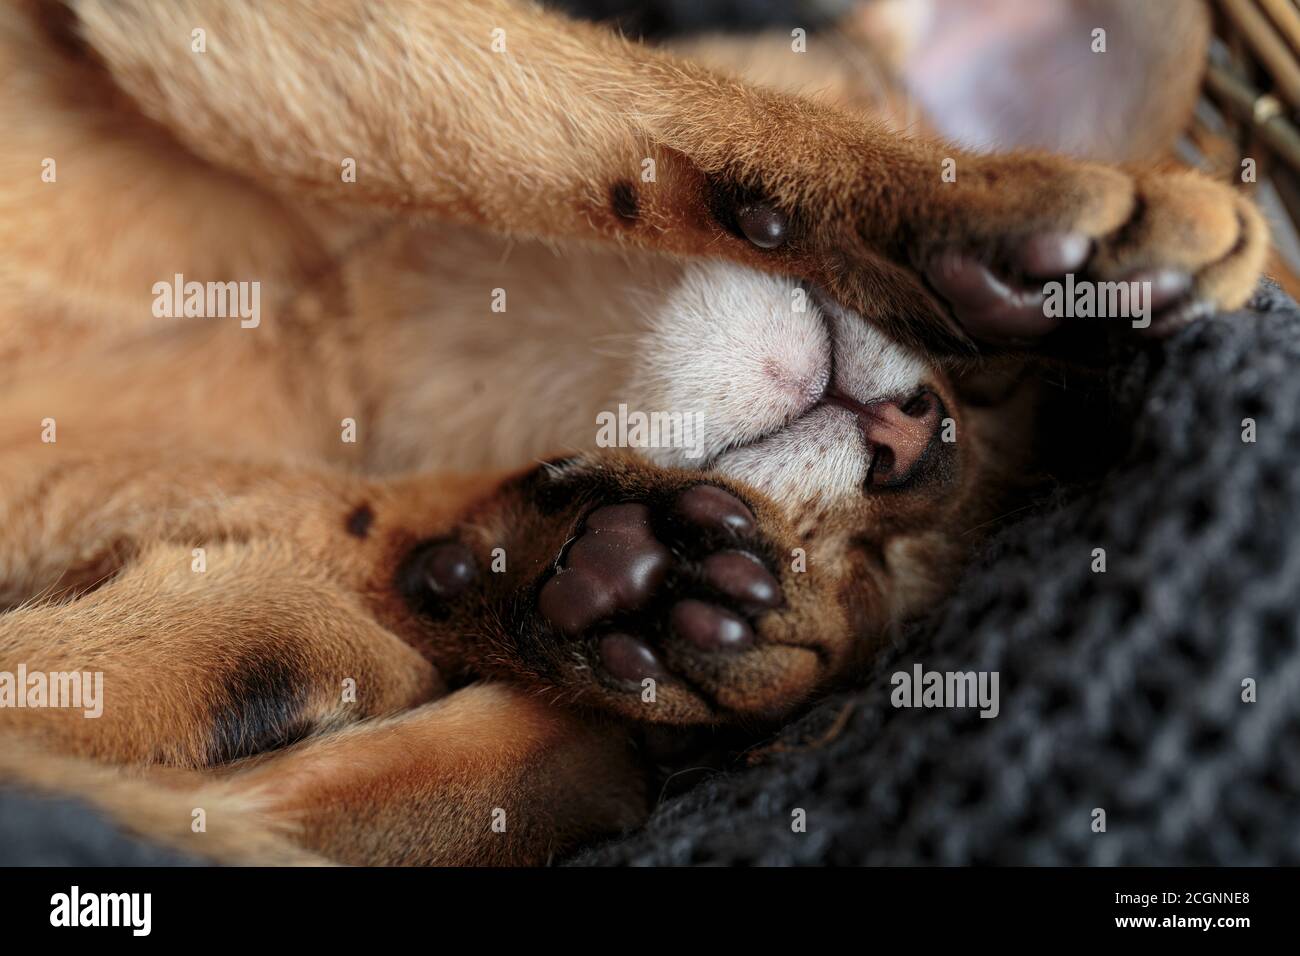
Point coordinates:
[(711, 507), (615, 565), (762, 224), (443, 569), (435, 574), (640, 577)]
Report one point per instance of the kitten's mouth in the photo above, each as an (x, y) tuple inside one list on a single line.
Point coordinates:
[(897, 432), (813, 403)]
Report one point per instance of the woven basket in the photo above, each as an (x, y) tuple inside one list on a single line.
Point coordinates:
[(1246, 130)]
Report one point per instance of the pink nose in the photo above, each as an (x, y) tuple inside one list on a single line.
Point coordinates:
[(898, 433)]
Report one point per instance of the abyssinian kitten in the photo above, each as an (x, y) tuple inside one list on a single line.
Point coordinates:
[(341, 532)]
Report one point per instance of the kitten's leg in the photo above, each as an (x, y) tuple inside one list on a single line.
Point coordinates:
[(201, 581), (490, 775), (486, 775), (500, 114), (224, 632)]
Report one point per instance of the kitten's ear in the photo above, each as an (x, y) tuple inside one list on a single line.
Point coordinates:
[(1102, 79)]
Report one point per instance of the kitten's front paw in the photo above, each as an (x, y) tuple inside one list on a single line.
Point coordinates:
[(671, 597), (949, 264), (640, 590)]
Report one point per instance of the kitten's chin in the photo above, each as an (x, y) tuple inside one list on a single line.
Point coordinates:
[(821, 455)]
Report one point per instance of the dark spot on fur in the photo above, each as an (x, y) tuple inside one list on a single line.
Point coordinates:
[(359, 521), (62, 26), (259, 708), (623, 200)]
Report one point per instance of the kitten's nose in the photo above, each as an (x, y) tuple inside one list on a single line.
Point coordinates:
[(899, 433)]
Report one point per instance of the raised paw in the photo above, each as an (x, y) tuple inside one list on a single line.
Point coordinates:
[(1150, 253), (1180, 255), (949, 264)]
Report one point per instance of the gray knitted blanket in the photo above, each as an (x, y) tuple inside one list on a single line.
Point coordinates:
[(1119, 692)]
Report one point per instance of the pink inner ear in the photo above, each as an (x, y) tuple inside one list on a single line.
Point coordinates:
[(999, 74)]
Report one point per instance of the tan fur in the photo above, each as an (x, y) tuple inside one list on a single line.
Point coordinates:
[(226, 165)]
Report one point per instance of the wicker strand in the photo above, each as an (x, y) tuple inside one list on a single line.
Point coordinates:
[(1261, 111), (1267, 45), (1286, 17)]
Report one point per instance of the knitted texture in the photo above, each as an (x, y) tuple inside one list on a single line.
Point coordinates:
[(1120, 691), (64, 831)]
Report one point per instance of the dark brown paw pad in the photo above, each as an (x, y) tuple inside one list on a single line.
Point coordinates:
[(615, 565), (638, 577), (436, 573), (1006, 301)]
